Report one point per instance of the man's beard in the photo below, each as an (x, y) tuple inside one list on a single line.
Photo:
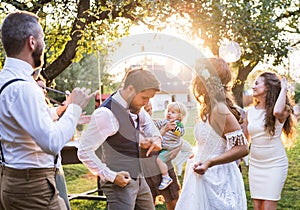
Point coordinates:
[(37, 56), (134, 110)]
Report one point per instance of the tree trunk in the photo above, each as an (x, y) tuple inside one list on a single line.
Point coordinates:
[(65, 59), (238, 86)]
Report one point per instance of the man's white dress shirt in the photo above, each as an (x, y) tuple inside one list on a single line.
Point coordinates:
[(30, 138), (102, 125)]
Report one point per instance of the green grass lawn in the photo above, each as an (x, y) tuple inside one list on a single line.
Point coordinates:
[(79, 179)]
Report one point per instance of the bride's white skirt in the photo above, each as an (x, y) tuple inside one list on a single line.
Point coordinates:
[(221, 187)]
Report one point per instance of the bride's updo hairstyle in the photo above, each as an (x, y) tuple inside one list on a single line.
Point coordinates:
[(211, 85)]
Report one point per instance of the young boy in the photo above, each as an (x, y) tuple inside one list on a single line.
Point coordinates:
[(171, 130)]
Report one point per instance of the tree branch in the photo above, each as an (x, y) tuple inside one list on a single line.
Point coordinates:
[(65, 59), (36, 5), (288, 14)]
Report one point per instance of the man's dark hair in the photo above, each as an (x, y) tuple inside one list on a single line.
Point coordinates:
[(141, 80), (16, 28)]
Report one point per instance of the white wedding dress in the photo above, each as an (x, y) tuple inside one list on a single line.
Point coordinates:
[(221, 187)]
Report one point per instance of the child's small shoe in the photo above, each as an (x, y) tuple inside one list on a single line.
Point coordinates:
[(165, 183)]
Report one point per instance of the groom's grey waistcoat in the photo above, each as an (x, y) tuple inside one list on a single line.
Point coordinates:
[(120, 152)]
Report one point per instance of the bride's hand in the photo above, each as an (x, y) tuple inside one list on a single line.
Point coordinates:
[(201, 168)]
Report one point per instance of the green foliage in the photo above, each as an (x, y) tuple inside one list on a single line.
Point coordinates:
[(75, 171), (297, 93), (254, 25), (87, 205), (80, 180), (85, 73), (263, 29), (77, 28), (81, 74)]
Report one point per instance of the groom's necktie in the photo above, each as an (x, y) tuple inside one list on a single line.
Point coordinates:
[(134, 118)]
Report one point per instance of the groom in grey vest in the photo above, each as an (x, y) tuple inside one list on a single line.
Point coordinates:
[(124, 131)]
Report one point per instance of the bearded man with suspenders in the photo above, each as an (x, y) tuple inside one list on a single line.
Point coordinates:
[(30, 140)]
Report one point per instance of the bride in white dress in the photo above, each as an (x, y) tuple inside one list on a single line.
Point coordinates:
[(212, 179)]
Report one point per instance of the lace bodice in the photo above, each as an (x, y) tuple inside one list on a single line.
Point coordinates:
[(209, 143)]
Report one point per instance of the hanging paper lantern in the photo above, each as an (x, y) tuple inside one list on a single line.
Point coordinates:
[(230, 51)]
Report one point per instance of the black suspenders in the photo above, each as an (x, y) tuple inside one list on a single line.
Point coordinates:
[(2, 88), (9, 82)]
